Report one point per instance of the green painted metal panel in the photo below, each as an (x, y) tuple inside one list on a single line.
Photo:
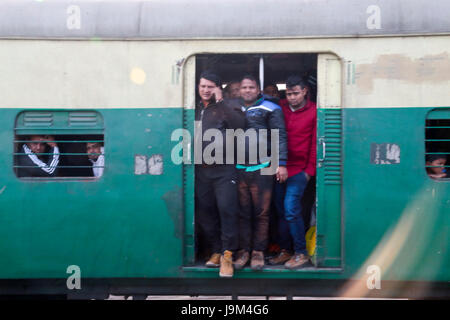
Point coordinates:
[(141, 225), (396, 216), (189, 195), (438, 113), (328, 186), (59, 122), (121, 225)]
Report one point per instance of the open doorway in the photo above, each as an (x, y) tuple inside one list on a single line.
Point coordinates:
[(272, 70)]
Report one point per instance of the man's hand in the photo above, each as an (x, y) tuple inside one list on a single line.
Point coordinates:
[(50, 140), (437, 175), (308, 177), (282, 174), (217, 93)]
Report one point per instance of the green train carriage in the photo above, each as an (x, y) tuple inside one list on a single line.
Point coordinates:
[(125, 73)]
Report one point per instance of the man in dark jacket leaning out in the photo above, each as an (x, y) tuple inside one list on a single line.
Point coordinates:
[(216, 178)]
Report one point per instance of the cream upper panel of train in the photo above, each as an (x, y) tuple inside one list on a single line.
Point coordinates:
[(115, 54)]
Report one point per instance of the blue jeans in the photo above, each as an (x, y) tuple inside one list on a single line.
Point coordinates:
[(288, 197)]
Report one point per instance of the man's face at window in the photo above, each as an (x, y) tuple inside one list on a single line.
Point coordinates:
[(249, 91), (206, 89), (36, 145), (435, 163), (296, 95), (92, 148)]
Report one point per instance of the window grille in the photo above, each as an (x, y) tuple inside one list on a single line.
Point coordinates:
[(37, 133), (437, 143)]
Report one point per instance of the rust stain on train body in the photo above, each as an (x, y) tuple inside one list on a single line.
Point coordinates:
[(430, 68)]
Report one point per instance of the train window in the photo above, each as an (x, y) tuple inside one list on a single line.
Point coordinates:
[(437, 144), (59, 144)]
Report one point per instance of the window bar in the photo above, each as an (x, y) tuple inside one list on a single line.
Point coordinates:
[(63, 166), (61, 154), (437, 166), (61, 141)]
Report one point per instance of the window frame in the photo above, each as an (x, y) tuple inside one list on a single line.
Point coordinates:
[(58, 123)]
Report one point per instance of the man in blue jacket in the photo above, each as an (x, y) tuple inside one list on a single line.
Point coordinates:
[(255, 184)]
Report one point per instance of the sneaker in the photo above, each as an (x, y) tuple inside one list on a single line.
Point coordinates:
[(281, 258), (241, 260), (214, 261), (298, 260), (257, 262), (226, 264)]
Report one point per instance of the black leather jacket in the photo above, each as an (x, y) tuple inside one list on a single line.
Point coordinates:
[(224, 115)]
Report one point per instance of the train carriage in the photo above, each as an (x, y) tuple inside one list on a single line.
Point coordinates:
[(124, 73)]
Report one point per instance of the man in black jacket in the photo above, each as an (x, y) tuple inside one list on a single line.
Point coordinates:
[(255, 183), (35, 162), (215, 178)]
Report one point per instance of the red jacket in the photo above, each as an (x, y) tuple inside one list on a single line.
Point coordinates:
[(301, 127)]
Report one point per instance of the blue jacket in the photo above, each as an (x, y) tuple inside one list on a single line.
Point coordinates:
[(264, 114)]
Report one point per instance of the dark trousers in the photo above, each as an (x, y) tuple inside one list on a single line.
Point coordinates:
[(217, 203), (288, 201), (255, 194)]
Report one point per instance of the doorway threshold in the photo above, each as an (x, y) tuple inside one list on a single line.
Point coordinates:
[(266, 269)]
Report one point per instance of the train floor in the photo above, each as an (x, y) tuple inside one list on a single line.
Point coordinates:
[(112, 297)]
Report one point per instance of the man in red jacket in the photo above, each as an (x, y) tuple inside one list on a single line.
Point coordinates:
[(300, 118)]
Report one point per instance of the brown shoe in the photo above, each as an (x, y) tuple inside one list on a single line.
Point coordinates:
[(281, 258), (257, 262), (241, 260), (298, 260), (226, 264), (214, 261)]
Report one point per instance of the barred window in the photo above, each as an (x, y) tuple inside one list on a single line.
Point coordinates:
[(437, 144), (59, 144)]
